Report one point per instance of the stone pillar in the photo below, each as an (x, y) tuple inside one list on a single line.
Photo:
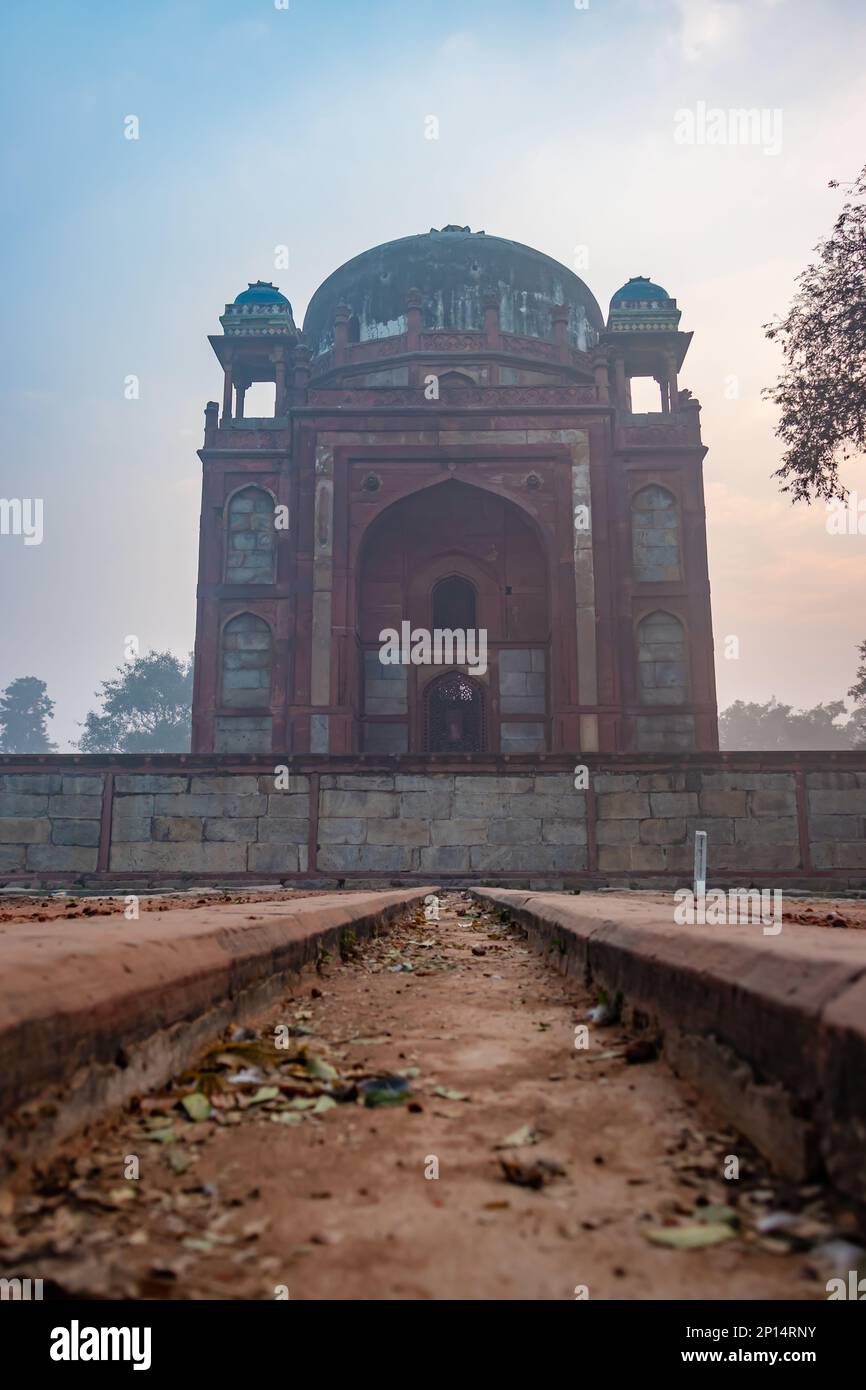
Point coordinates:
[(673, 389), (559, 318), (302, 373), (584, 590), (280, 380), (211, 423), (241, 393), (414, 300), (323, 581), (492, 327), (621, 384), (227, 393), (602, 380), (341, 333)]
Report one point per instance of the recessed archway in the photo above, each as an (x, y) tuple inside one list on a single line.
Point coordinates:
[(470, 554)]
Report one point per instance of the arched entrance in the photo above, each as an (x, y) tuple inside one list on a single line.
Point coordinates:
[(454, 557)]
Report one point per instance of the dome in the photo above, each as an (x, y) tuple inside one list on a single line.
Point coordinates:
[(259, 310), (641, 306), (639, 287), (454, 269), (261, 292)]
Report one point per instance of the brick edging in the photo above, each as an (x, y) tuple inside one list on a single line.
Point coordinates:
[(772, 1029), (95, 1011)]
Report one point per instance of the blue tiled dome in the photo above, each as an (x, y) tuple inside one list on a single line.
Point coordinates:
[(262, 292), (639, 287)]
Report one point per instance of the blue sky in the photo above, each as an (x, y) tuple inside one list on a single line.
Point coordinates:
[(305, 127)]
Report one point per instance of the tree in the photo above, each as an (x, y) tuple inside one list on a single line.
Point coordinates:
[(858, 695), (822, 390), (762, 728), (147, 709), (24, 708)]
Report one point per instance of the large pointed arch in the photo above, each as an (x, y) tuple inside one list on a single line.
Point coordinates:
[(474, 541)]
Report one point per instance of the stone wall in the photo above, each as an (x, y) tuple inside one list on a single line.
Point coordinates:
[(798, 819), (451, 823)]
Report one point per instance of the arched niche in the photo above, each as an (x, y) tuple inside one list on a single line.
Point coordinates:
[(250, 550), (246, 659), (662, 658), (655, 536)]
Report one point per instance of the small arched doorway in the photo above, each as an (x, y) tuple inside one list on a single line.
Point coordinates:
[(455, 715), (454, 604)]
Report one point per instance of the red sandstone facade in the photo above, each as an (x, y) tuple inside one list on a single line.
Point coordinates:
[(417, 441)]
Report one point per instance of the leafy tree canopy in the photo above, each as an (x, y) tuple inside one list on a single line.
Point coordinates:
[(821, 392), (146, 709), (763, 728), (24, 710)]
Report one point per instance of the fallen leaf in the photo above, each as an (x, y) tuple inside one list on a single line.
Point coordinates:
[(691, 1237), (162, 1136), (318, 1067), (264, 1093), (197, 1106), (713, 1214), (323, 1104), (118, 1195), (525, 1135)]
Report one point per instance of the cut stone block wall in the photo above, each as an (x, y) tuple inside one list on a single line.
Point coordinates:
[(250, 537), (451, 823), (663, 670), (773, 819), (210, 824), (386, 738), (655, 536), (244, 733), (522, 682), (246, 662), (50, 821), (385, 686), (665, 733), (648, 822)]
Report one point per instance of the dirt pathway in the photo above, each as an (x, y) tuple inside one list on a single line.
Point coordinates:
[(290, 1175)]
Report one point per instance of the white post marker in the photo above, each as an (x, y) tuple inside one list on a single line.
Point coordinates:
[(700, 863)]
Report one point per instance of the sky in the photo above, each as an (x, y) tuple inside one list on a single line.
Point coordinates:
[(306, 127)]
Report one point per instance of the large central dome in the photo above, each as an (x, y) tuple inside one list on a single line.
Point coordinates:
[(454, 269)]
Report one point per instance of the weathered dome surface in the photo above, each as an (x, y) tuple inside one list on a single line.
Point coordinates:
[(261, 292), (454, 269), (639, 287)]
